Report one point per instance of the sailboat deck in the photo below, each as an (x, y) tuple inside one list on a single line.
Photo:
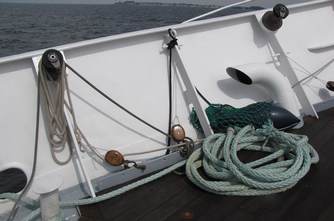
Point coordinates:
[(173, 197)]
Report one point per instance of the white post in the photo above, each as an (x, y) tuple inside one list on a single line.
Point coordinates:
[(49, 202), (47, 187)]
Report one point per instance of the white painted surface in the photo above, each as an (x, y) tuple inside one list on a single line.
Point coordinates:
[(132, 69), (275, 84)]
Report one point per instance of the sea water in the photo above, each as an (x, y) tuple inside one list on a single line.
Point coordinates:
[(27, 27)]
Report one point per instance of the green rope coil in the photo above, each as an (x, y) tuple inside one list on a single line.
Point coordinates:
[(222, 116), (26, 202), (289, 160)]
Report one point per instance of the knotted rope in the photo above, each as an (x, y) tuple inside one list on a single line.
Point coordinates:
[(289, 160)]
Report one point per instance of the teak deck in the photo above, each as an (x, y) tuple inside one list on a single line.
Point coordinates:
[(173, 197)]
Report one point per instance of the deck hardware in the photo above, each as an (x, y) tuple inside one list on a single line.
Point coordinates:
[(52, 61), (114, 158), (321, 46), (330, 85), (129, 163), (187, 216), (188, 148), (79, 157), (172, 43), (178, 133), (277, 85), (58, 59), (290, 72), (273, 20), (172, 33), (190, 91), (50, 209), (281, 11)]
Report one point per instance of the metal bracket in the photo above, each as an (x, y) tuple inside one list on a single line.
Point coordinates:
[(191, 91), (289, 71)]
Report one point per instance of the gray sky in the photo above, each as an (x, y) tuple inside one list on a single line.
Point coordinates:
[(265, 3)]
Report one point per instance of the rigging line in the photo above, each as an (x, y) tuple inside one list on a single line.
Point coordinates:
[(115, 103), (298, 64), (15, 207), (217, 10), (170, 98), (200, 141), (173, 42), (310, 74), (175, 99), (202, 96), (80, 135)]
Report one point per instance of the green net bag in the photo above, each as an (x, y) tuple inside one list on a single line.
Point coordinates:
[(222, 116)]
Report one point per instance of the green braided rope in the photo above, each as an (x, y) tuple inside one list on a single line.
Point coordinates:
[(26, 202), (35, 214), (292, 156)]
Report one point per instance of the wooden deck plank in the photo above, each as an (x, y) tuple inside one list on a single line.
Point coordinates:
[(175, 198), (146, 199)]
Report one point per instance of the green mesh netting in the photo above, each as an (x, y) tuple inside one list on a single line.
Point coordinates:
[(222, 116)]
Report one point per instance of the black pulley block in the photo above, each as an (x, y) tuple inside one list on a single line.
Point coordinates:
[(273, 20), (281, 11), (52, 62)]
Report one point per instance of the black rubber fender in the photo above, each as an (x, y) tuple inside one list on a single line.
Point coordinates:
[(282, 118)]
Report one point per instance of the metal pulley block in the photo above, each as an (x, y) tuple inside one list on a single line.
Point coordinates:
[(281, 11), (185, 148), (273, 20), (52, 62), (114, 158), (188, 148), (178, 133)]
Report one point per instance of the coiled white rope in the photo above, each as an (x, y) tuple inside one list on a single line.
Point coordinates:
[(54, 93)]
